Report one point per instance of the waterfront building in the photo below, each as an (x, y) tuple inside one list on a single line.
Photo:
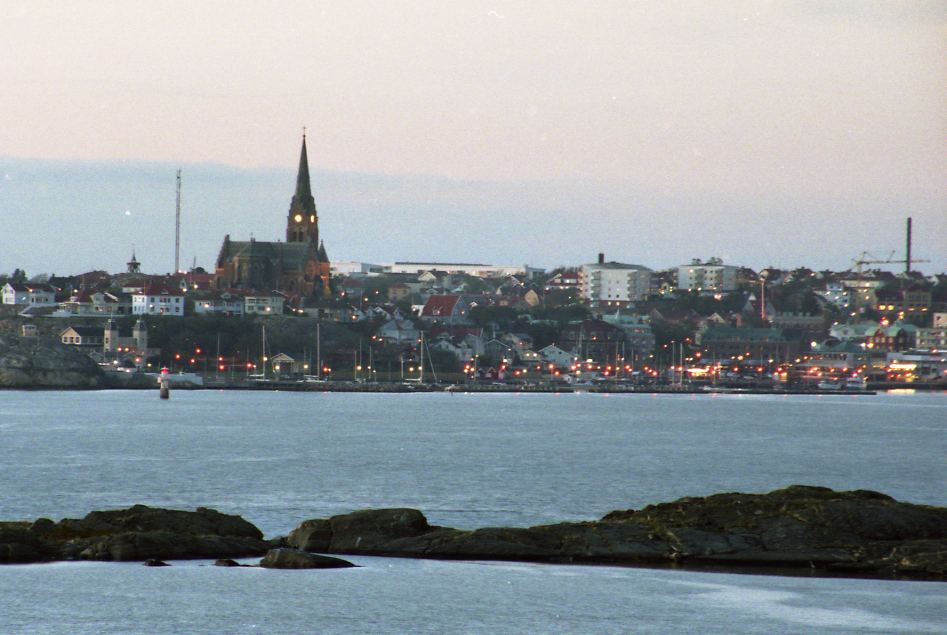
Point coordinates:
[(724, 342)]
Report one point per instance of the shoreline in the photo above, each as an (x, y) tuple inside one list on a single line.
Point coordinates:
[(145, 384)]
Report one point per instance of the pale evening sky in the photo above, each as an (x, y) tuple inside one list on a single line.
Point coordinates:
[(770, 132)]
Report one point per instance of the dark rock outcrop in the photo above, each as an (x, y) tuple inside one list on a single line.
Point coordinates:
[(38, 362), (795, 530), (295, 559), (136, 533)]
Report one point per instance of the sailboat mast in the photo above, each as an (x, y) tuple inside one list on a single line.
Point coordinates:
[(318, 353)]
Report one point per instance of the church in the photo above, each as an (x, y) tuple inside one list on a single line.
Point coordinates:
[(297, 267)]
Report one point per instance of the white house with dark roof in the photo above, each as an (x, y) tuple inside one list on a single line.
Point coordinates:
[(28, 293), (158, 299)]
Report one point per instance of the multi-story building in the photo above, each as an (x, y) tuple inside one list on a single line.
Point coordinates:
[(614, 284), (712, 276), (933, 338), (158, 299)]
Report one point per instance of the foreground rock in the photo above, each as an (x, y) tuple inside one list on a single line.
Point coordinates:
[(794, 530), (36, 362), (295, 559), (136, 533)]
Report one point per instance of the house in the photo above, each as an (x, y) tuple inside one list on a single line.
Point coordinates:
[(899, 336), (85, 336), (258, 303), (158, 299), (89, 302), (498, 350), (446, 309), (228, 303), (561, 358), (859, 332), (399, 331), (29, 293), (459, 349)]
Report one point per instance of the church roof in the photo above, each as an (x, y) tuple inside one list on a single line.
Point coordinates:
[(290, 255)]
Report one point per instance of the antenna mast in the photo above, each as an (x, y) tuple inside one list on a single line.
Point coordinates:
[(907, 258), (177, 226)]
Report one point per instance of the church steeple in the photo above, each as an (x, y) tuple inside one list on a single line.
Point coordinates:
[(133, 265), (302, 225)]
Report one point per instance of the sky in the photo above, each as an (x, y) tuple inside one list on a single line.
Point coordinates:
[(766, 133)]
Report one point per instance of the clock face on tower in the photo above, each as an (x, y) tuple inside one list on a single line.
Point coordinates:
[(298, 218)]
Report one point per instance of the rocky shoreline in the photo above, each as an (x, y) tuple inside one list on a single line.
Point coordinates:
[(799, 530)]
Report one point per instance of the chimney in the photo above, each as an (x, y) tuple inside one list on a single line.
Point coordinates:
[(601, 258)]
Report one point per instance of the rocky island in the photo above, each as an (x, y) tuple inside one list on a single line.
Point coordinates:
[(799, 530), (34, 362)]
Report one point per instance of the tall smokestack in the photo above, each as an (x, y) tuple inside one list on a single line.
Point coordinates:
[(601, 258), (907, 258)]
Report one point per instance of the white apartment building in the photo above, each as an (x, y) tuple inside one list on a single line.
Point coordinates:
[(614, 284), (713, 276)]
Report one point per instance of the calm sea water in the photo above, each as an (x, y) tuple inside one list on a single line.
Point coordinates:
[(466, 461)]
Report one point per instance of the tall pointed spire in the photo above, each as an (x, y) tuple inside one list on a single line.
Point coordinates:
[(302, 224), (302, 199)]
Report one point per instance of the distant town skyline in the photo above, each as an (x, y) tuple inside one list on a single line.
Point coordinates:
[(766, 133)]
